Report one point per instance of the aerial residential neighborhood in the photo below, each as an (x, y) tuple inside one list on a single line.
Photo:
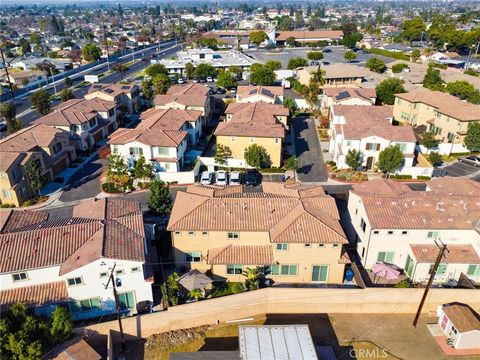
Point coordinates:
[(211, 180)]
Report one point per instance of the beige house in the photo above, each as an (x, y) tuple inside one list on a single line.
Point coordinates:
[(266, 94), (336, 75), (27, 77), (253, 123), (347, 96), (292, 231), (47, 147), (86, 121), (186, 97), (446, 115), (125, 96)]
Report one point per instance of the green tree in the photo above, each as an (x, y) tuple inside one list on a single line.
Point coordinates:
[(222, 153), (189, 70), (66, 94), (61, 326), (121, 68), (173, 287), (429, 140), (273, 65), (258, 37), (387, 89), (158, 198), (472, 140), (205, 70), (156, 69), (285, 23), (375, 64), (261, 75), (290, 104), (8, 111), (40, 100), (353, 159), (398, 68), (464, 90), (252, 281), (432, 79), (434, 157), (141, 169), (195, 294), (226, 80), (350, 41), (296, 62), (237, 70), (291, 42), (68, 81), (35, 177), (256, 156), (415, 55), (412, 29), (315, 55), (91, 52), (24, 45), (161, 84), (350, 55), (390, 159), (117, 170), (147, 90)]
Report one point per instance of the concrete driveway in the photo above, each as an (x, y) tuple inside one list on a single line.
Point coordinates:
[(311, 166), (463, 169)]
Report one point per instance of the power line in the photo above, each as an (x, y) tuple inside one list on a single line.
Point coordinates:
[(117, 303)]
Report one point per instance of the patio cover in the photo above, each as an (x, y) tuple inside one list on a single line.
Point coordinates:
[(194, 279)]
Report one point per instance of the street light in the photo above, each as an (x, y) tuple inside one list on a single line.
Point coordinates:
[(53, 80)]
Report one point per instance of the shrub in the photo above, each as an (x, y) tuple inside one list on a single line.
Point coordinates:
[(104, 152), (438, 65), (398, 68), (423, 177), (7, 206), (110, 188), (390, 54), (237, 288), (402, 284), (28, 202), (400, 176)]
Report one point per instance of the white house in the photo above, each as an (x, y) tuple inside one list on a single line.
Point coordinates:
[(394, 224), (347, 96), (162, 138), (266, 94), (45, 263), (367, 129), (460, 324)]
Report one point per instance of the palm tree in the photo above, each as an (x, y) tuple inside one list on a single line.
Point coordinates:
[(195, 294), (252, 274)]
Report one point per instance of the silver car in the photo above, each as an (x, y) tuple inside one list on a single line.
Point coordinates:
[(206, 178), (474, 160)]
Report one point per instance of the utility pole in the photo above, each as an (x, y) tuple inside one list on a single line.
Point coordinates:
[(53, 81), (106, 42), (117, 303), (6, 73), (441, 252)]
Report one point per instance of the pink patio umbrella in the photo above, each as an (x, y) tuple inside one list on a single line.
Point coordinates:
[(385, 271)]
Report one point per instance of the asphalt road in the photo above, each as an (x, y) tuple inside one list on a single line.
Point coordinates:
[(462, 169)]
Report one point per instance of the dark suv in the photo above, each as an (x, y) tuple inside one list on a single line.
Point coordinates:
[(252, 177)]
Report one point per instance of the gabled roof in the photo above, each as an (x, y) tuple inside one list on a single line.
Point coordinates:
[(245, 91), (462, 317), (12, 220), (241, 254), (339, 71), (341, 94), (36, 295), (307, 35), (73, 349), (457, 254), (29, 138), (112, 89), (188, 89), (185, 100), (454, 186), (164, 138)]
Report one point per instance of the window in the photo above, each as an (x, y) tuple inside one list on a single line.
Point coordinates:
[(433, 234), (15, 173), (115, 149), (335, 245), (473, 270), (363, 225), (277, 140), (450, 137), (233, 235), (103, 274), (356, 211), (385, 256), (19, 277), (349, 143), (233, 138), (454, 330), (126, 300), (307, 245), (233, 269), (402, 146), (119, 272), (135, 269), (404, 232), (290, 270), (372, 146), (376, 232), (390, 232), (75, 281), (441, 269), (57, 147), (191, 233), (6, 194), (136, 151), (252, 139), (194, 256), (320, 273), (178, 233), (163, 151), (321, 245), (204, 233), (282, 247), (85, 305)]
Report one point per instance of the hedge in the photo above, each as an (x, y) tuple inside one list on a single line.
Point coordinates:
[(423, 177), (400, 177), (390, 54), (110, 188)]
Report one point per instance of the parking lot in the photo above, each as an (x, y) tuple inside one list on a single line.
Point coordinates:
[(462, 169)]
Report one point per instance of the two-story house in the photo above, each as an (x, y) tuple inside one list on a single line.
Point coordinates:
[(367, 129), (162, 138), (50, 262), (336, 75), (291, 231), (186, 97), (87, 121), (266, 94), (254, 123), (347, 96), (446, 115), (397, 225), (49, 148), (125, 96)]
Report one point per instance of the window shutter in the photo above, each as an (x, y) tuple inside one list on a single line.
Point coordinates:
[(378, 147)]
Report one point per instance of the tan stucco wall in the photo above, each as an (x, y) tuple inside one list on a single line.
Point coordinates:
[(242, 142)]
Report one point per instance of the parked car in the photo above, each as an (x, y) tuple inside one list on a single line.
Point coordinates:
[(252, 177), (181, 81), (233, 90), (3, 127), (327, 50), (235, 178), (474, 160), (221, 91), (201, 79), (209, 79), (221, 178), (173, 79), (206, 178), (194, 80)]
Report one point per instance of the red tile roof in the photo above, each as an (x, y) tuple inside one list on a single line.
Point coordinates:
[(74, 349), (241, 254), (188, 89), (309, 35), (36, 295), (454, 185), (245, 91), (457, 254), (12, 220)]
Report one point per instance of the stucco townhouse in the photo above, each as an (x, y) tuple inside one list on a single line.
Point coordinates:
[(347, 96), (393, 223), (162, 137), (446, 115), (291, 231), (302, 36), (67, 262), (125, 96), (48, 148), (367, 129), (86, 121), (266, 94), (336, 75), (253, 123), (186, 97)]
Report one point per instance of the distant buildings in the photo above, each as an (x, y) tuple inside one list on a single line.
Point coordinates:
[(125, 96), (302, 36)]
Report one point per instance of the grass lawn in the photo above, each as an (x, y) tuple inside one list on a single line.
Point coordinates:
[(225, 288)]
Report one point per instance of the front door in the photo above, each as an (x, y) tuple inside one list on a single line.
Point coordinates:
[(409, 266), (370, 163)]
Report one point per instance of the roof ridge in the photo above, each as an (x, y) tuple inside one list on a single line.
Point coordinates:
[(205, 199), (224, 248), (323, 223)]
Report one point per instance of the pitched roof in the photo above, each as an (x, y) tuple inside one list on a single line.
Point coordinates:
[(454, 185), (245, 91), (258, 111), (188, 89), (73, 349), (339, 71), (12, 220), (309, 217), (241, 254), (462, 316), (185, 100), (166, 138), (36, 295), (250, 128), (340, 94), (363, 121), (111, 228), (381, 187), (167, 119), (29, 138), (444, 103), (308, 35), (457, 254), (112, 89)]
